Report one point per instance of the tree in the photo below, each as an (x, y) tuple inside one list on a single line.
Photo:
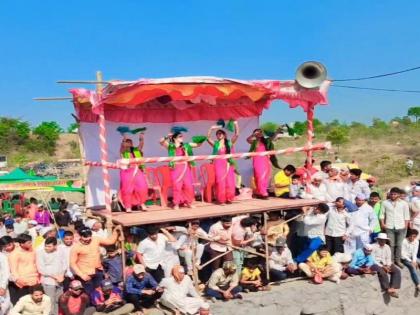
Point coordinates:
[(415, 112), (13, 132), (269, 128), (73, 128), (47, 134), (338, 136)]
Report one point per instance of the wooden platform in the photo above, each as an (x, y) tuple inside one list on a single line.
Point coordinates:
[(156, 214)]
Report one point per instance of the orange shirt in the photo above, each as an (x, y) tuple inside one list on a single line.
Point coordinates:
[(85, 259), (23, 266)]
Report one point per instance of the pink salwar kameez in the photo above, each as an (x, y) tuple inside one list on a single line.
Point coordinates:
[(262, 171), (133, 187), (225, 179), (182, 181)]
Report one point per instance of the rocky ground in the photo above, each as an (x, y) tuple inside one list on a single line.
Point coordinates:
[(354, 296)]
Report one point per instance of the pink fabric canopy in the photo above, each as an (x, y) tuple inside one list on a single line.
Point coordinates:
[(191, 99)]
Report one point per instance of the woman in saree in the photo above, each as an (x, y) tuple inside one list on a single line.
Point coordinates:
[(133, 185), (224, 168)]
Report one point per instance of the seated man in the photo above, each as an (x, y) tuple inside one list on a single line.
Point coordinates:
[(321, 263), (108, 299), (382, 256), (363, 262), (410, 248), (251, 278), (34, 303), (141, 288), (223, 283), (179, 293), (281, 261), (74, 301)]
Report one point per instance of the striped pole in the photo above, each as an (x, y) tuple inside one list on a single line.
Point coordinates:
[(104, 147), (309, 134), (124, 163)]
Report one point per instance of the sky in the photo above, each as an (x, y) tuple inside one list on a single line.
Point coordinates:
[(45, 41)]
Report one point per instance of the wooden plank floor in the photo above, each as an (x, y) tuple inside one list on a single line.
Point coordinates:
[(156, 214)]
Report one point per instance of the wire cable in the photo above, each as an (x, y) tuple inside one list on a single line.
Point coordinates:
[(378, 76), (374, 89)]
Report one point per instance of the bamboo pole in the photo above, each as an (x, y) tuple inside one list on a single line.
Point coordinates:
[(267, 263), (214, 258), (58, 98), (194, 256), (253, 252)]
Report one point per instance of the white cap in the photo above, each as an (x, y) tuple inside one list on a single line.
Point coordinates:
[(32, 222), (382, 236), (368, 247)]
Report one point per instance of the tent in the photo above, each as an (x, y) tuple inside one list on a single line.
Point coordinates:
[(18, 175)]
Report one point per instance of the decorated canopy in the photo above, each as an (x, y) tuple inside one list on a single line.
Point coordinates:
[(18, 175), (191, 99)]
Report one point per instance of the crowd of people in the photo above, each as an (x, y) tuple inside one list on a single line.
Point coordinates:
[(65, 263)]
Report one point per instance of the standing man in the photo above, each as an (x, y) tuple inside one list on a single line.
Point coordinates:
[(395, 217), (221, 234), (364, 222), (64, 250), (338, 227), (85, 258), (4, 282), (22, 262), (52, 266), (151, 251), (356, 185)]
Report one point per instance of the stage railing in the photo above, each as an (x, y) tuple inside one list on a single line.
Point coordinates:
[(125, 163)]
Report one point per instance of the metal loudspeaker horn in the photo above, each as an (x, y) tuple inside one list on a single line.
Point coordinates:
[(311, 74)]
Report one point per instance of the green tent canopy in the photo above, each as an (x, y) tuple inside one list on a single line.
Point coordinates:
[(69, 189), (18, 175)]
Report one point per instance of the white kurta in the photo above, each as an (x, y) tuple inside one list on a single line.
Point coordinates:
[(181, 296)]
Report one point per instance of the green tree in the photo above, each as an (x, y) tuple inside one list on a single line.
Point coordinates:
[(47, 134), (269, 127), (415, 112), (73, 127), (300, 127), (338, 136), (379, 124), (13, 132)]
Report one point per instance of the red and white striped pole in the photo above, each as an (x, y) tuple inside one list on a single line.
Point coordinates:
[(124, 163), (103, 146), (309, 134)]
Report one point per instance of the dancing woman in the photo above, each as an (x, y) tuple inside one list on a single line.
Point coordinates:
[(262, 164), (133, 185), (224, 169), (181, 174)]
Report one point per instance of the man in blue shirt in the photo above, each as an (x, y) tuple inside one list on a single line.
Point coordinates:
[(363, 262), (142, 289)]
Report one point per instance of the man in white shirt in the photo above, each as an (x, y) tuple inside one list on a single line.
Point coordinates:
[(317, 189), (64, 250), (338, 227), (3, 231), (410, 247), (151, 251), (4, 281), (221, 234), (394, 218), (314, 221), (20, 225), (382, 255), (335, 188), (51, 266), (356, 185), (364, 221), (325, 167), (281, 261)]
